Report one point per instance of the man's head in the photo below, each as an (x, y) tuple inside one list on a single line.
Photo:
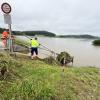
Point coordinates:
[(35, 38)]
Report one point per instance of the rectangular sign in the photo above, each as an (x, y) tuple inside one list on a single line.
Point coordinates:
[(7, 19)]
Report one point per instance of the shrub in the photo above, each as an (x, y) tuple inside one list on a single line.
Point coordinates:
[(96, 42)]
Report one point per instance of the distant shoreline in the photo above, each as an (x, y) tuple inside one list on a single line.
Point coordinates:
[(50, 34)]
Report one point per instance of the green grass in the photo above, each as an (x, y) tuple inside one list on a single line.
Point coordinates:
[(21, 43), (35, 80)]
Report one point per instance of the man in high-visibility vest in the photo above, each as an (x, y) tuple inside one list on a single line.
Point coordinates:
[(34, 47), (5, 36)]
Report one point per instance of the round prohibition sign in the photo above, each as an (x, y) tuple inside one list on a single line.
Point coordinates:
[(6, 8)]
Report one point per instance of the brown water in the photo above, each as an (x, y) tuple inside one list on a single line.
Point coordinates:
[(85, 54)]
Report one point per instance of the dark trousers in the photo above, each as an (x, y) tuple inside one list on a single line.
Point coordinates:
[(34, 50)]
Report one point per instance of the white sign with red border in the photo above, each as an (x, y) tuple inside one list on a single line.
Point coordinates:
[(6, 8)]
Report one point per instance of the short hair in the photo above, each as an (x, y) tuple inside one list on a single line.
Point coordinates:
[(35, 38)]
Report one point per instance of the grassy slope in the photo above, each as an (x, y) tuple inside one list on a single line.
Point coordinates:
[(34, 80)]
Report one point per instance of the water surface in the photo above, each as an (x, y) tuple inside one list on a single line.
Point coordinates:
[(85, 54)]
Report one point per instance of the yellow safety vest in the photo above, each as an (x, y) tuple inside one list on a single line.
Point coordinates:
[(34, 43)]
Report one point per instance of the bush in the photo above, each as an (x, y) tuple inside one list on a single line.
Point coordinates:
[(50, 60), (96, 42), (65, 55)]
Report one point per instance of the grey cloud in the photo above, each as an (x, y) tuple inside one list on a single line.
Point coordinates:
[(61, 16)]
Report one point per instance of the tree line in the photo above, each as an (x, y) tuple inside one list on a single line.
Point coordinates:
[(31, 33)]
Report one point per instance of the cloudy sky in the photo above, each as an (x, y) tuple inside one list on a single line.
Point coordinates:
[(59, 16)]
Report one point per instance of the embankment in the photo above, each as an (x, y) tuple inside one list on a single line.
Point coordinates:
[(27, 79)]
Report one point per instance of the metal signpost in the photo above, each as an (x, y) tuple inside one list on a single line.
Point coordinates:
[(6, 8)]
